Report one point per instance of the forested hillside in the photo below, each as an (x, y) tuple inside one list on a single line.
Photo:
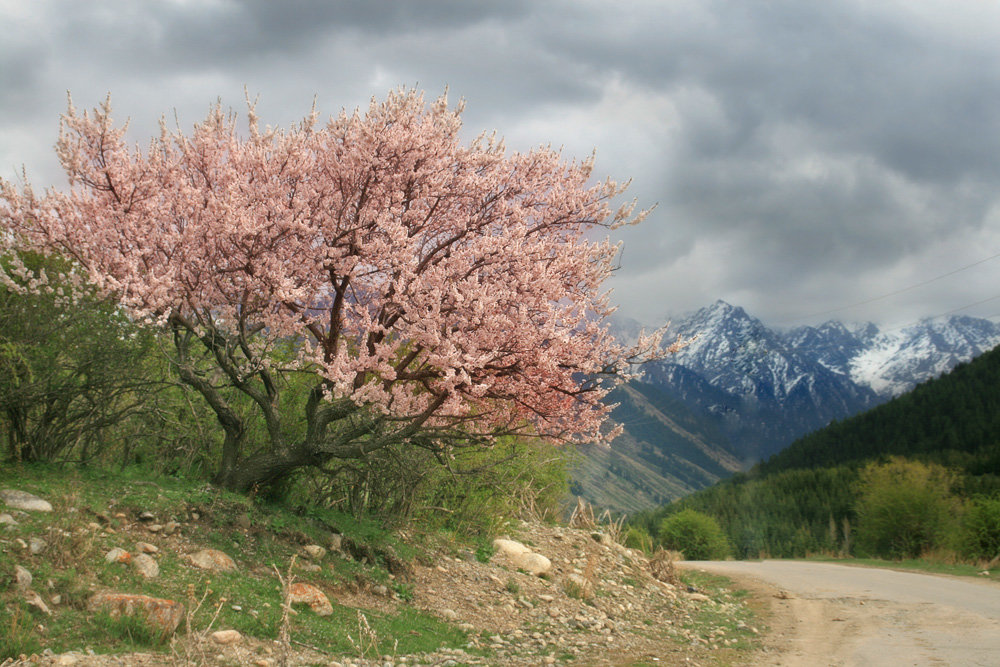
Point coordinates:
[(805, 498), (953, 420)]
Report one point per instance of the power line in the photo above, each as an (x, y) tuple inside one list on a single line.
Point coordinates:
[(899, 291), (947, 312)]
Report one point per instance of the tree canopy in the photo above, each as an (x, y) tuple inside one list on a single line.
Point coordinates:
[(438, 294)]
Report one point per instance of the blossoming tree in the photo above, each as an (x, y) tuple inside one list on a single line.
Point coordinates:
[(439, 294)]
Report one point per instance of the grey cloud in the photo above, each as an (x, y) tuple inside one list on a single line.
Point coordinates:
[(797, 147)]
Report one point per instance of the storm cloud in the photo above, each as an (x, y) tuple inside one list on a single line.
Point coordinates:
[(802, 157)]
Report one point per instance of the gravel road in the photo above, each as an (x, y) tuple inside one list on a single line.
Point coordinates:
[(827, 614)]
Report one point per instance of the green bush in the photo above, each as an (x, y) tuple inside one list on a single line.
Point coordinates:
[(904, 508), (697, 535), (637, 537), (979, 536)]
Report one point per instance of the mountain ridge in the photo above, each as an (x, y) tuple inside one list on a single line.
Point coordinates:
[(754, 389)]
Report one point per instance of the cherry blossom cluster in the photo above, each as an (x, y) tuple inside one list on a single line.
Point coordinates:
[(420, 276)]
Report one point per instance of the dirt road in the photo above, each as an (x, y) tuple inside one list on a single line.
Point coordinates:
[(828, 614)]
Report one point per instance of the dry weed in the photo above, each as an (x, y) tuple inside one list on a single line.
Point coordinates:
[(662, 565)]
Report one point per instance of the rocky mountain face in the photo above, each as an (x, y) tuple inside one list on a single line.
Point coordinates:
[(744, 391), (766, 387)]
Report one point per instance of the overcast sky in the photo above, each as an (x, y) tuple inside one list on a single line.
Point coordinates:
[(804, 156)]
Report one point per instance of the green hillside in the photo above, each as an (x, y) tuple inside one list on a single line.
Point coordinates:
[(804, 498), (953, 420)]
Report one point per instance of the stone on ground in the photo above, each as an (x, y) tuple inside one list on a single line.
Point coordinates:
[(22, 500), (213, 560), (162, 615), (302, 593)]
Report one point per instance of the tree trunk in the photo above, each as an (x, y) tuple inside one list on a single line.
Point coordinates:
[(262, 470)]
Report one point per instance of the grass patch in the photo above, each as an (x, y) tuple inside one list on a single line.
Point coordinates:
[(929, 566), (726, 622), (97, 510)]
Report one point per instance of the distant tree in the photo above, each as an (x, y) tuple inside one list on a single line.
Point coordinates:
[(904, 507), (697, 535), (438, 295)]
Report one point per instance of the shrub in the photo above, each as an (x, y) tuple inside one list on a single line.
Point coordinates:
[(904, 508), (979, 536), (637, 537), (697, 535)]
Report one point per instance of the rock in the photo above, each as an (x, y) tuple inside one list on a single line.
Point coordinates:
[(302, 593), (8, 520), (147, 517), (146, 548), (117, 555), (532, 563), (22, 500), (309, 567), (509, 548), (145, 565), (154, 527), (36, 545), (449, 614), (314, 551), (160, 614), (213, 560), (226, 637), (698, 597), (22, 578), (170, 527), (35, 600), (336, 542)]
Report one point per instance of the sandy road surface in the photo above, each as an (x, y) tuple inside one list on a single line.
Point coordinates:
[(828, 614)]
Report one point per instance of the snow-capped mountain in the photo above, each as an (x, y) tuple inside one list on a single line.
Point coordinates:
[(893, 362), (764, 387)]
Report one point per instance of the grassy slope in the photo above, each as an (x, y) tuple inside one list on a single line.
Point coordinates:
[(259, 538)]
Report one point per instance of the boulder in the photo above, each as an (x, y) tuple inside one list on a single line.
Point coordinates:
[(22, 500), (35, 600), (509, 548), (7, 520), (522, 557), (314, 551), (146, 565), (226, 636), (302, 593), (162, 615), (22, 578), (212, 560), (532, 563), (117, 555)]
